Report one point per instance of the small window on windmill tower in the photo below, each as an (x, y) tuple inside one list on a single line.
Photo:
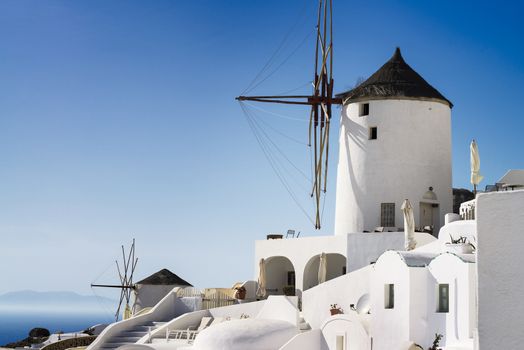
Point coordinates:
[(373, 133), (363, 109), (387, 214)]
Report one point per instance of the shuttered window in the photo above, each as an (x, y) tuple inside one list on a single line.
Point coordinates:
[(443, 298), (387, 214)]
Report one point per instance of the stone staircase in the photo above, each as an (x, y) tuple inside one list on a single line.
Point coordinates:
[(303, 326), (130, 336)]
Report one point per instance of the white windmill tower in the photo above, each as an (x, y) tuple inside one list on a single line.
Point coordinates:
[(395, 143)]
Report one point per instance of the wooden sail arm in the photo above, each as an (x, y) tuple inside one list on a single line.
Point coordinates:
[(113, 286), (307, 100)]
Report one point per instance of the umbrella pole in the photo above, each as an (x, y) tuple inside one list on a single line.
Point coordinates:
[(475, 189)]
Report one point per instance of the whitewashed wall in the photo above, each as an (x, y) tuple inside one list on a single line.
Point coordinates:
[(412, 153), (344, 291), (390, 327), (500, 225), (459, 323), (350, 327), (299, 251), (360, 249), (148, 295)]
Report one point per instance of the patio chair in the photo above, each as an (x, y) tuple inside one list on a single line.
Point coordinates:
[(191, 334), (185, 333)]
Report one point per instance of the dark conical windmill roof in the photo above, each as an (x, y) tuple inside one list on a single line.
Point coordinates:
[(164, 277), (395, 79)]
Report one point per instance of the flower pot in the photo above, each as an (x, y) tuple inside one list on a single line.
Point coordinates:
[(460, 248), (335, 311), (240, 294)]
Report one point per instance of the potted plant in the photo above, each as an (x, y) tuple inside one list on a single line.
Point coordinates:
[(240, 293), (289, 290), (460, 245), (335, 309)]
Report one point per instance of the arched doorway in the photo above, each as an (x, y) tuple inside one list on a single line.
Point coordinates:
[(336, 266), (280, 275)]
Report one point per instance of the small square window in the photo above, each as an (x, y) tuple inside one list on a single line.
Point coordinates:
[(373, 133), (389, 296), (443, 298), (363, 109)]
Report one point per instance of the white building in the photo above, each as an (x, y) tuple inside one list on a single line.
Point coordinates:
[(149, 291), (395, 143)]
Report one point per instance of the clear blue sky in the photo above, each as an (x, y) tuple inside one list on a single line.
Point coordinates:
[(118, 120)]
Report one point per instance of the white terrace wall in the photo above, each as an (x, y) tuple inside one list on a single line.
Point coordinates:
[(500, 225), (299, 251), (360, 249), (459, 323), (350, 328), (390, 327), (343, 291), (365, 248), (164, 310)]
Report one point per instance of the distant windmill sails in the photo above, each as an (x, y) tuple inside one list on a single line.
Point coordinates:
[(126, 285), (321, 101)]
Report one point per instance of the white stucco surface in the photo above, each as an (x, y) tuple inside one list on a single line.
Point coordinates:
[(415, 317), (148, 295), (500, 224), (343, 291), (411, 153), (390, 327), (253, 334), (309, 340), (348, 326), (459, 323), (301, 254)]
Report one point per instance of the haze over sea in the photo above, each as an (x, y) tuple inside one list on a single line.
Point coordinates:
[(15, 325), (22, 311)]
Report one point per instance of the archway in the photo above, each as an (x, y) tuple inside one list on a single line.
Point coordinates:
[(280, 273), (336, 266)]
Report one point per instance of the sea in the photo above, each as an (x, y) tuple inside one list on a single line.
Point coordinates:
[(15, 325)]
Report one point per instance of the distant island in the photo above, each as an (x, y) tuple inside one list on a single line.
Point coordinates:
[(56, 300)]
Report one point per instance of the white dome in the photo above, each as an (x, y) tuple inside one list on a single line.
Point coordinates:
[(252, 334)]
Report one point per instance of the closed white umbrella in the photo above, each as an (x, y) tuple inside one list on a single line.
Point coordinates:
[(409, 225), (474, 159), (261, 290), (322, 268)]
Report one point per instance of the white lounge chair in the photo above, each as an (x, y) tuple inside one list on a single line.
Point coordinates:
[(186, 333), (191, 334)]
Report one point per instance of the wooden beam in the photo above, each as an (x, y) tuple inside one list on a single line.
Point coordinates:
[(112, 286), (310, 100)]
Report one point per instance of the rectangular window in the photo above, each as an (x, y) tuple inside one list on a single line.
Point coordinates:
[(387, 214), (389, 296), (373, 133), (363, 109), (291, 278), (443, 298)]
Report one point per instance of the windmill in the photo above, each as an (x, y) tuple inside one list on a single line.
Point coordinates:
[(321, 101), (125, 273)]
